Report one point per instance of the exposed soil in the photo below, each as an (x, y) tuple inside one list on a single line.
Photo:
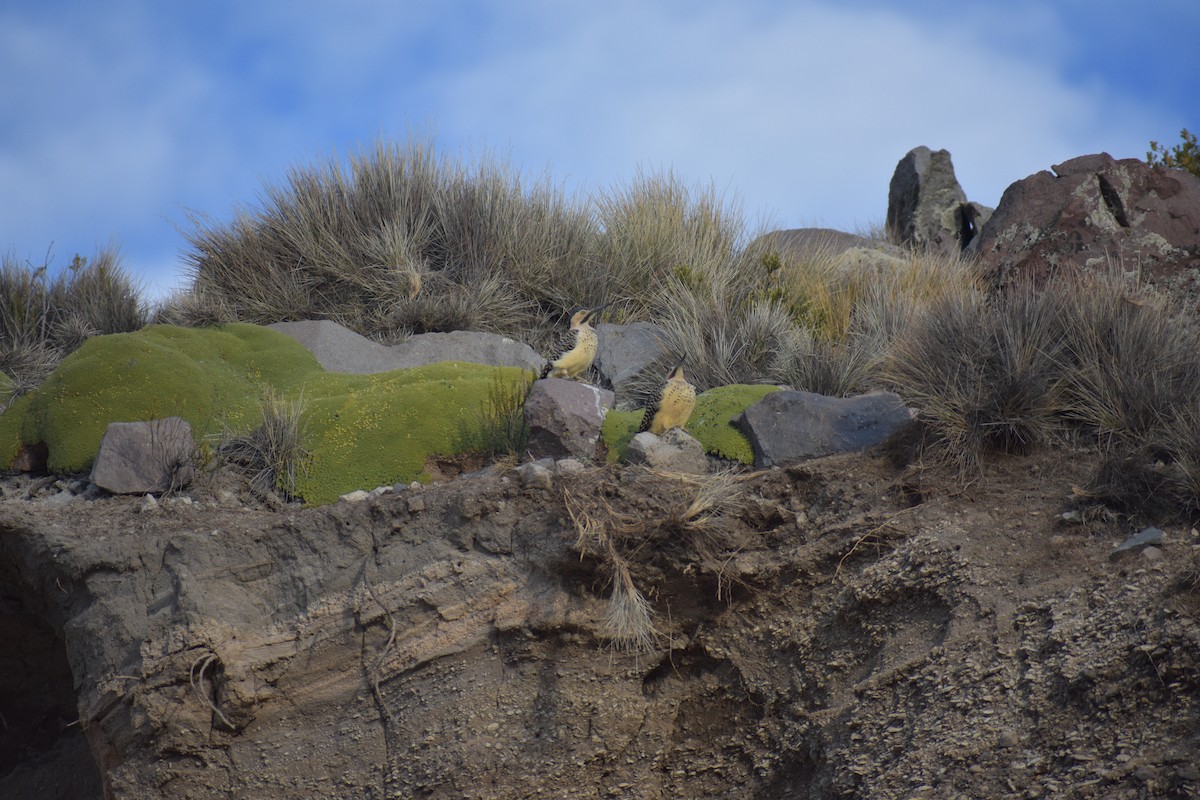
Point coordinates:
[(842, 628)]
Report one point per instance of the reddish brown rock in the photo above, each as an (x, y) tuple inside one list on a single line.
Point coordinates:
[(1092, 212)]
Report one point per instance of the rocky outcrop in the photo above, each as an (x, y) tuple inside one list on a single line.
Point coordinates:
[(564, 418), (1096, 213), (927, 208), (790, 426), (339, 349), (810, 637), (141, 457)]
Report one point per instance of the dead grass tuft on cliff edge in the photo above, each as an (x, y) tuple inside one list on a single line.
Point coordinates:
[(692, 517)]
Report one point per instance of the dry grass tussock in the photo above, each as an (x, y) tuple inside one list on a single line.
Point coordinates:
[(274, 453), (694, 516), (1091, 358), (394, 240), (401, 239), (44, 317), (983, 371)]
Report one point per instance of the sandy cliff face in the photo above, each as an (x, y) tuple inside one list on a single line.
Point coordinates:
[(835, 630)]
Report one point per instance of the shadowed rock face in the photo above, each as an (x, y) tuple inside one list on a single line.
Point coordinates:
[(818, 637), (1094, 213)]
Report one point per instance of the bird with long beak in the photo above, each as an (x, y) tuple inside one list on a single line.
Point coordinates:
[(577, 349), (674, 406)]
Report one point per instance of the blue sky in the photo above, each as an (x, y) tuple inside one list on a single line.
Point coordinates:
[(117, 119)]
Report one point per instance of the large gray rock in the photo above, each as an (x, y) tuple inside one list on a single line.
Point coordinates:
[(674, 451), (339, 349), (851, 251), (927, 209), (141, 457), (1092, 212), (474, 347), (624, 352), (564, 418), (788, 426)]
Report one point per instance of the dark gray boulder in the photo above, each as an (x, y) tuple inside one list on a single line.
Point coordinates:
[(927, 208), (788, 426), (142, 457), (564, 418), (624, 352), (473, 347)]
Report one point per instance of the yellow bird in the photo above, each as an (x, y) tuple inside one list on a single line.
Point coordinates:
[(674, 407), (577, 349)]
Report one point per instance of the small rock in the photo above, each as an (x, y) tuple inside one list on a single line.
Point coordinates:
[(535, 475), (568, 466), (357, 496), (674, 451), (57, 500), (1071, 516), (1148, 536), (1009, 738), (1152, 554), (140, 457)]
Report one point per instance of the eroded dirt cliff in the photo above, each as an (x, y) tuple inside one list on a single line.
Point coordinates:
[(838, 629)]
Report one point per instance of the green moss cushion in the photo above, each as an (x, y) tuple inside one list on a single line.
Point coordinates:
[(211, 377), (375, 430), (363, 430), (711, 423)]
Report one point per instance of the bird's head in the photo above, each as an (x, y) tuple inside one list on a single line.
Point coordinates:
[(581, 316), (676, 373)]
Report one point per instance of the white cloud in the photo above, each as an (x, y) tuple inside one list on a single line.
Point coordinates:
[(119, 117), (806, 112)]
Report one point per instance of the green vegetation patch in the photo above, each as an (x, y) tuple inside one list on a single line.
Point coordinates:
[(363, 430), (213, 378), (711, 423), (374, 430), (10, 428)]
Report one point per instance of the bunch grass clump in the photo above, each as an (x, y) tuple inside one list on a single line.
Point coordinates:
[(392, 241), (44, 318), (500, 429), (1132, 358), (984, 372), (275, 452)]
